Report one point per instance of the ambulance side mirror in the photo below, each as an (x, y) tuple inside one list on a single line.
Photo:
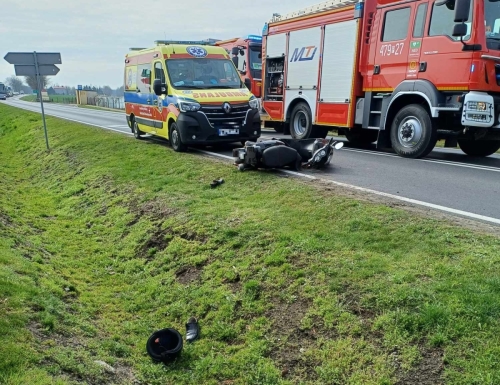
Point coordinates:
[(159, 88), (235, 50), (235, 61)]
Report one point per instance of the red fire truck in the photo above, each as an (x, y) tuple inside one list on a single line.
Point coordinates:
[(247, 57), (403, 74)]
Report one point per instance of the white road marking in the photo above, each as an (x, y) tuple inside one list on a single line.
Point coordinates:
[(380, 193)]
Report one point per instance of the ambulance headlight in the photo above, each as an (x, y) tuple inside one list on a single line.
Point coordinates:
[(254, 102), (189, 106)]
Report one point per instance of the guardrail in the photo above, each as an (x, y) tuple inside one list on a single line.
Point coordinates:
[(117, 103)]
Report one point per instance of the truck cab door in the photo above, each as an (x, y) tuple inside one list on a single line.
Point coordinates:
[(443, 61), (393, 47), (415, 51)]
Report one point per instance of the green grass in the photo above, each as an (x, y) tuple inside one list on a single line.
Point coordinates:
[(28, 98), (106, 239), (66, 99)]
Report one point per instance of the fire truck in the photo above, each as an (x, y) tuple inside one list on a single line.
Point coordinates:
[(247, 57), (403, 74)]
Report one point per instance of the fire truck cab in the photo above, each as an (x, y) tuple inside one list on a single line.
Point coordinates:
[(247, 57), (403, 74)]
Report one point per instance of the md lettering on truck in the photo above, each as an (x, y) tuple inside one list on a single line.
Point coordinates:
[(304, 54)]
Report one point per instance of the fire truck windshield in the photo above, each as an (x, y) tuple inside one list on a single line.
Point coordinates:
[(202, 73), (492, 21), (255, 58)]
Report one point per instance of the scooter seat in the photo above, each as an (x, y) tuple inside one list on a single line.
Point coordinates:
[(281, 156)]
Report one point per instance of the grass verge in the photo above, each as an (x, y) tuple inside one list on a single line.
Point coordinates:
[(28, 98), (106, 239)]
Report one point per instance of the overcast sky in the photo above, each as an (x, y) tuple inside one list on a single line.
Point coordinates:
[(94, 35)]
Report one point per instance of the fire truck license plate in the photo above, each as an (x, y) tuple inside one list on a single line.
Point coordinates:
[(228, 131)]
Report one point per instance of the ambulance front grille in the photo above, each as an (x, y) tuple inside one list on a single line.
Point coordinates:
[(216, 114)]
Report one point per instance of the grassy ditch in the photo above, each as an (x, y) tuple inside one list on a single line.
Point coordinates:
[(106, 239)]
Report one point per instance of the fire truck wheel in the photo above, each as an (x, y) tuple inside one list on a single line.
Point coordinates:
[(413, 134), (175, 139), (479, 148), (301, 122), (136, 131)]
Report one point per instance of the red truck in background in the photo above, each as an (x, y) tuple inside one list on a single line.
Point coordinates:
[(247, 56), (403, 74)]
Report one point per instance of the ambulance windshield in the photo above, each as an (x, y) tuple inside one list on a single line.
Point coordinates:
[(202, 74), (492, 20)]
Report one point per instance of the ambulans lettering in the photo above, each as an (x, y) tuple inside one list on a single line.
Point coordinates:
[(201, 95), (304, 54)]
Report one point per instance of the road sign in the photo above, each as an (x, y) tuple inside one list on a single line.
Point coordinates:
[(30, 70), (27, 58), (80, 88), (36, 64)]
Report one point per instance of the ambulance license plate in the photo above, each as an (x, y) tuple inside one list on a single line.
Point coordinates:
[(228, 131)]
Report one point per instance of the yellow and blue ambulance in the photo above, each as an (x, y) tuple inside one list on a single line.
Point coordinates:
[(189, 93)]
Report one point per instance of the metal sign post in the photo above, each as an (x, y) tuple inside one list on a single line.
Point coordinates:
[(38, 65), (39, 81)]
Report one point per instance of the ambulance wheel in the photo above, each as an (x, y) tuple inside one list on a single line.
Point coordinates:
[(479, 148), (413, 134), (136, 131), (301, 126), (175, 139)]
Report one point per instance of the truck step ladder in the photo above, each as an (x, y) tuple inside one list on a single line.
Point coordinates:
[(321, 7)]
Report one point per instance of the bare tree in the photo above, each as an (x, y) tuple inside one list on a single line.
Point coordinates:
[(107, 90), (32, 82), (119, 91), (15, 83)]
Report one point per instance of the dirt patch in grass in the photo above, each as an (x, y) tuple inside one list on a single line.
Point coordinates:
[(122, 373), (291, 341), (5, 220), (43, 338), (351, 300), (429, 371), (155, 209), (156, 243), (188, 274)]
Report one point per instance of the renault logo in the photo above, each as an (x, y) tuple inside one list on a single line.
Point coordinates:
[(227, 108)]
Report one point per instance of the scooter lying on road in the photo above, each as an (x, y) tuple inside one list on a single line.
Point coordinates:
[(286, 153)]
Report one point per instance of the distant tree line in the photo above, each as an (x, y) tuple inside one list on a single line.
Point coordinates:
[(30, 83)]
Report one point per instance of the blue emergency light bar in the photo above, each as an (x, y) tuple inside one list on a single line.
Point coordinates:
[(254, 38), (187, 42)]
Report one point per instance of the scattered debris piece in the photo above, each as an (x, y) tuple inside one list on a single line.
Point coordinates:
[(192, 329), (108, 368), (216, 182)]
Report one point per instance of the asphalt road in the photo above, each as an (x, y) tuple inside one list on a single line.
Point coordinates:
[(447, 177)]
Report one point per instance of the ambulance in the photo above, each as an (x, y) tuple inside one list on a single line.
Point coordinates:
[(190, 93)]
